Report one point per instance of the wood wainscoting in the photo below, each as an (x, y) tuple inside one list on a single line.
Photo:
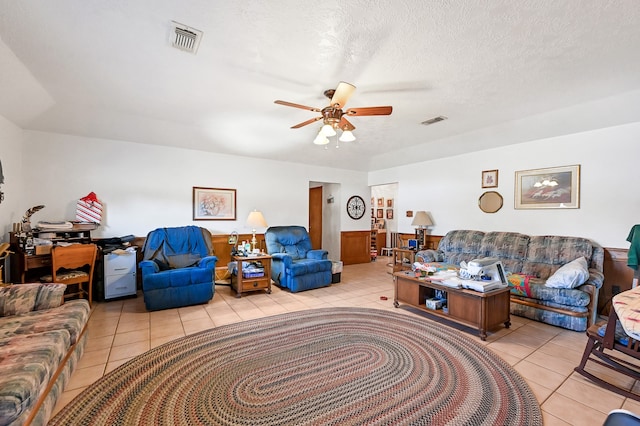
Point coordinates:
[(355, 247), (616, 273)]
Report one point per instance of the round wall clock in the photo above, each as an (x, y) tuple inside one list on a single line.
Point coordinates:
[(355, 207)]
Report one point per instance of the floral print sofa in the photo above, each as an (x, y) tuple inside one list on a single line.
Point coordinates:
[(531, 261), (41, 341)]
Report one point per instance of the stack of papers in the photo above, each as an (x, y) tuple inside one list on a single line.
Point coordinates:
[(55, 225)]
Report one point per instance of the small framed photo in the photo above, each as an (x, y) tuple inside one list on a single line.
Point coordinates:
[(380, 214), (380, 202), (409, 213), (550, 188), (490, 178), (390, 202), (389, 213), (214, 203)]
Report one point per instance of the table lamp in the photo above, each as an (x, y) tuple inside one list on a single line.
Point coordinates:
[(255, 220), (421, 221)]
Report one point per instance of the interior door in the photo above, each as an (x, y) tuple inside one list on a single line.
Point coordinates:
[(315, 217)]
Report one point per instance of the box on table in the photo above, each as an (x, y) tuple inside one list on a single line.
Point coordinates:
[(43, 249), (434, 303)]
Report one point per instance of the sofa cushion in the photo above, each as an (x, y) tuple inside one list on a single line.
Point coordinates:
[(547, 253), (18, 299), (309, 266), (71, 316), (27, 364), (509, 247), (49, 296), (571, 275)]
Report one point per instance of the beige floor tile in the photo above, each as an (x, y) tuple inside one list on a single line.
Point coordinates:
[(130, 337), (93, 358), (129, 350), (83, 377), (540, 375), (572, 412), (592, 396)]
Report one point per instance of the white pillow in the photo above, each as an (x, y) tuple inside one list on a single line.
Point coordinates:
[(571, 275)]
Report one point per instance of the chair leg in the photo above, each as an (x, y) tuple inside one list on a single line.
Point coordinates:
[(595, 352)]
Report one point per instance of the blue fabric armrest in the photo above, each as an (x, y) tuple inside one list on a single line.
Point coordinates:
[(596, 278), (286, 259), (430, 256), (148, 267), (317, 254), (208, 262)]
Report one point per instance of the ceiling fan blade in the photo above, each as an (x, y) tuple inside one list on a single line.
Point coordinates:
[(291, 104), (304, 123), (342, 94), (344, 124), (379, 110)]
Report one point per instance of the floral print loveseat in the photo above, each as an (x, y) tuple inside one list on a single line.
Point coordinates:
[(529, 262), (41, 341)]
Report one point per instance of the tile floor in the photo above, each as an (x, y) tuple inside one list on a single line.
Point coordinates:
[(544, 355)]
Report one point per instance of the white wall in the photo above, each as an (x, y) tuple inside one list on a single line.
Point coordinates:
[(609, 197), (11, 211), (144, 187)]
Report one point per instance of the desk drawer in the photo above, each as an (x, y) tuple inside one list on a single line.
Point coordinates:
[(249, 284), (118, 264), (119, 285), (38, 261)]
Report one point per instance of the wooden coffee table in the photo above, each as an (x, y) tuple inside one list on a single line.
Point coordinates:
[(481, 311)]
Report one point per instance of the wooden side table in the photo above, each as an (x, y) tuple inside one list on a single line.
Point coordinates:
[(242, 284), (403, 259)]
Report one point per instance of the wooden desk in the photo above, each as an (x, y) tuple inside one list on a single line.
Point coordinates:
[(481, 311), (29, 267), (22, 263)]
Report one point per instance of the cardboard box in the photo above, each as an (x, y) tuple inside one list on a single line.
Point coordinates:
[(434, 303), (43, 249)]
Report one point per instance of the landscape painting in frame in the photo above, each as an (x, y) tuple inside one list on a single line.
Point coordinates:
[(214, 203), (550, 188)]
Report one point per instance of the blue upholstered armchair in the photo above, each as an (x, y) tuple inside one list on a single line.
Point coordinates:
[(294, 264), (178, 267)]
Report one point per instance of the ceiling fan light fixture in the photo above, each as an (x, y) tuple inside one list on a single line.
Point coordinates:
[(327, 130), (347, 136), (321, 139)]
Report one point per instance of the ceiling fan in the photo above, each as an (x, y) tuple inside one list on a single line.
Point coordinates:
[(334, 117)]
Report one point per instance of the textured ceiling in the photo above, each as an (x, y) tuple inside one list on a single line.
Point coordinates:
[(106, 69)]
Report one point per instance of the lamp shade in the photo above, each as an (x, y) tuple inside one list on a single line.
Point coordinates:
[(256, 220), (421, 220), (347, 136)]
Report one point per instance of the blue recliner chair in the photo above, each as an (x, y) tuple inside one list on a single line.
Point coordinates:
[(178, 267), (294, 265)]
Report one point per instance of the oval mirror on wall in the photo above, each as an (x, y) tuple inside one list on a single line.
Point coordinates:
[(490, 202)]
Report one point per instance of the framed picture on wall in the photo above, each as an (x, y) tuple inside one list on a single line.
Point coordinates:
[(489, 178), (380, 214), (389, 213), (380, 202), (214, 203), (390, 202), (550, 188)]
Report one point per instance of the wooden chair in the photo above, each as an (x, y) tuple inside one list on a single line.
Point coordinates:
[(73, 265), (609, 346)]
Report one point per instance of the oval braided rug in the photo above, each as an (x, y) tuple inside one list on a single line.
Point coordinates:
[(323, 366)]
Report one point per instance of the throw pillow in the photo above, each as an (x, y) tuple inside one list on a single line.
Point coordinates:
[(49, 296), (18, 299), (571, 275)]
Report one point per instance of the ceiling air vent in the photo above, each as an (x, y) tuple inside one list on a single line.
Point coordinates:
[(185, 38), (434, 120)]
